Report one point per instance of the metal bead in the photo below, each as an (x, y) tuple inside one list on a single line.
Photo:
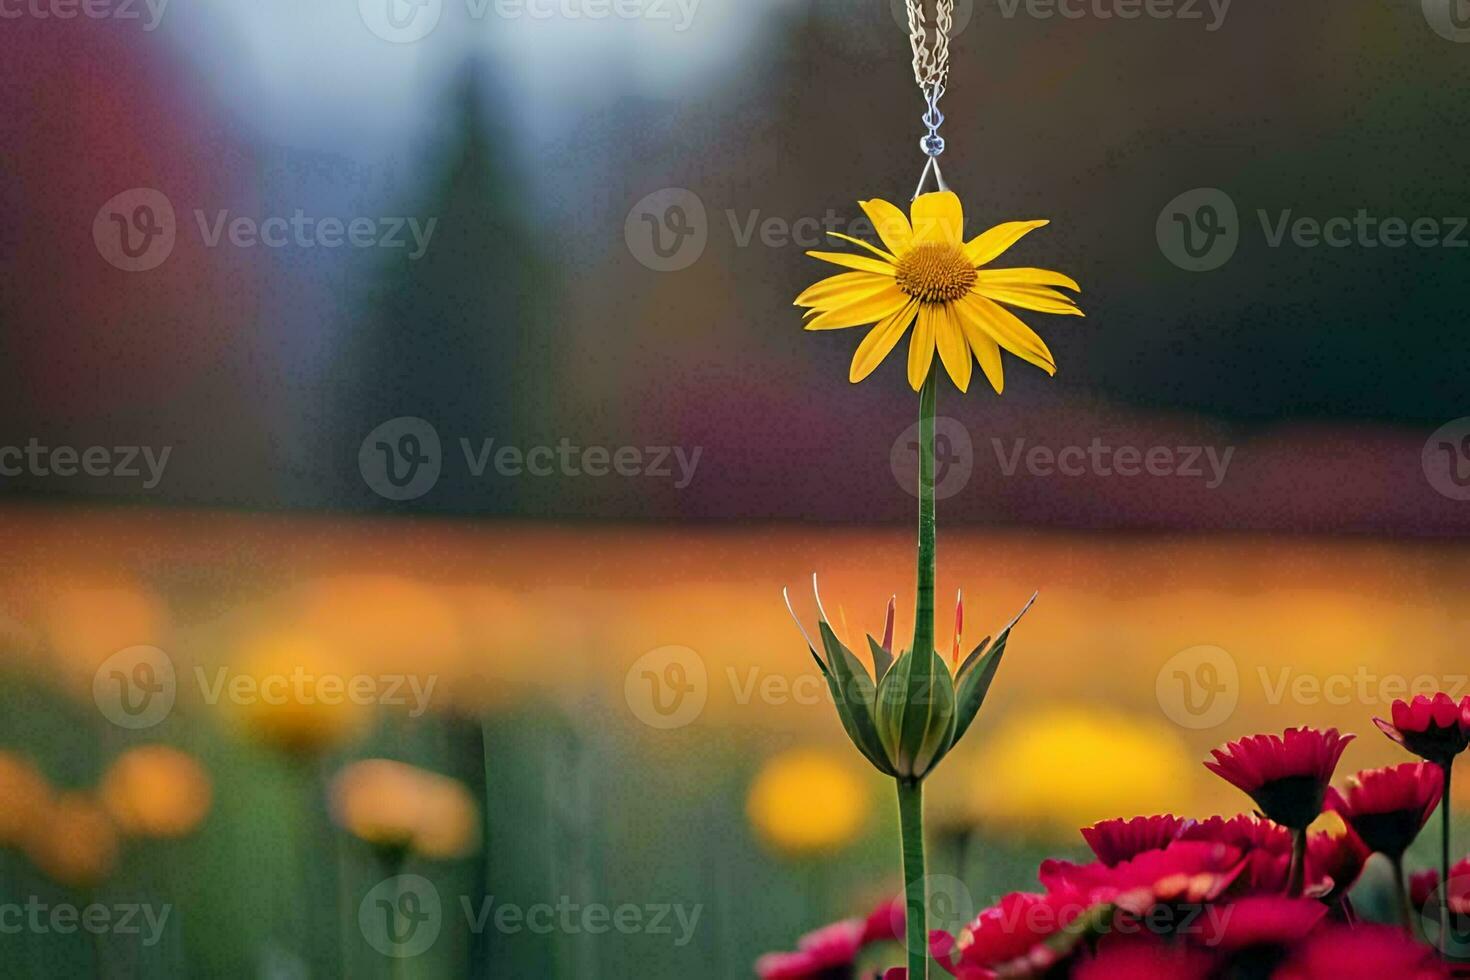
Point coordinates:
[(932, 145)]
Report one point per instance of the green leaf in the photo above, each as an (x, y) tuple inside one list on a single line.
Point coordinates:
[(882, 659), (975, 684), (854, 694)]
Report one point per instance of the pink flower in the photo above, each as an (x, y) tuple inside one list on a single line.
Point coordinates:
[(1364, 952), (1335, 858), (832, 950), (1436, 729), (1287, 775), (1266, 846), (1258, 921), (1118, 840), (1423, 886), (1388, 807), (1010, 935)]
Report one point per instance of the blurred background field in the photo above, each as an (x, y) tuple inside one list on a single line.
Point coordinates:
[(532, 635)]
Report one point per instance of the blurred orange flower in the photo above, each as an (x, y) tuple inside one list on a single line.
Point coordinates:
[(24, 795), (296, 696), (398, 807), (156, 791), (74, 843)]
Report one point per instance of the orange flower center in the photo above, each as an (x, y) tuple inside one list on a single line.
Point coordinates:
[(936, 272)]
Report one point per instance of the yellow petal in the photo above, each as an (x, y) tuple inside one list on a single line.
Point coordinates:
[(953, 350), (921, 345), (841, 288), (859, 262), (938, 217), (891, 224), (1009, 332), (987, 246), (867, 309), (1037, 298), (858, 241), (879, 341), (1026, 277), (988, 354)]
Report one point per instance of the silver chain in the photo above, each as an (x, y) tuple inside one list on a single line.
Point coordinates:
[(931, 71), (931, 61)]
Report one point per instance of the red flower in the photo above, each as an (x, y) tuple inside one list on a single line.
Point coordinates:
[(1118, 840), (1423, 886), (1185, 872), (1121, 957), (1364, 952), (1437, 729), (1266, 846), (1287, 775), (1010, 935), (832, 950), (1388, 807), (1259, 921), (1335, 858)]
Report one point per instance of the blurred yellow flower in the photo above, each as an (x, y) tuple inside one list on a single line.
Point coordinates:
[(398, 807), (87, 622), (807, 801), (74, 843), (156, 791), (297, 695), (24, 796), (1052, 771)]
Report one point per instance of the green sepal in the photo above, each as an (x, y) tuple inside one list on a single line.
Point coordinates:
[(882, 659), (853, 693), (975, 684), (974, 655), (916, 713), (939, 732)]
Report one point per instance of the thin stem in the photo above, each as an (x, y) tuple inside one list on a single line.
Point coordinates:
[(911, 831), (1296, 881), (924, 606), (1401, 895), (1444, 861)]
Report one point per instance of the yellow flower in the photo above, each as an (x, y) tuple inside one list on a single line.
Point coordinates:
[(927, 273), (1047, 772), (807, 801), (156, 791), (399, 807), (298, 699)]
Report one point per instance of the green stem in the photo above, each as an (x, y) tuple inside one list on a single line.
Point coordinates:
[(911, 831), (924, 606), (1297, 879), (1401, 894), (1444, 862)]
